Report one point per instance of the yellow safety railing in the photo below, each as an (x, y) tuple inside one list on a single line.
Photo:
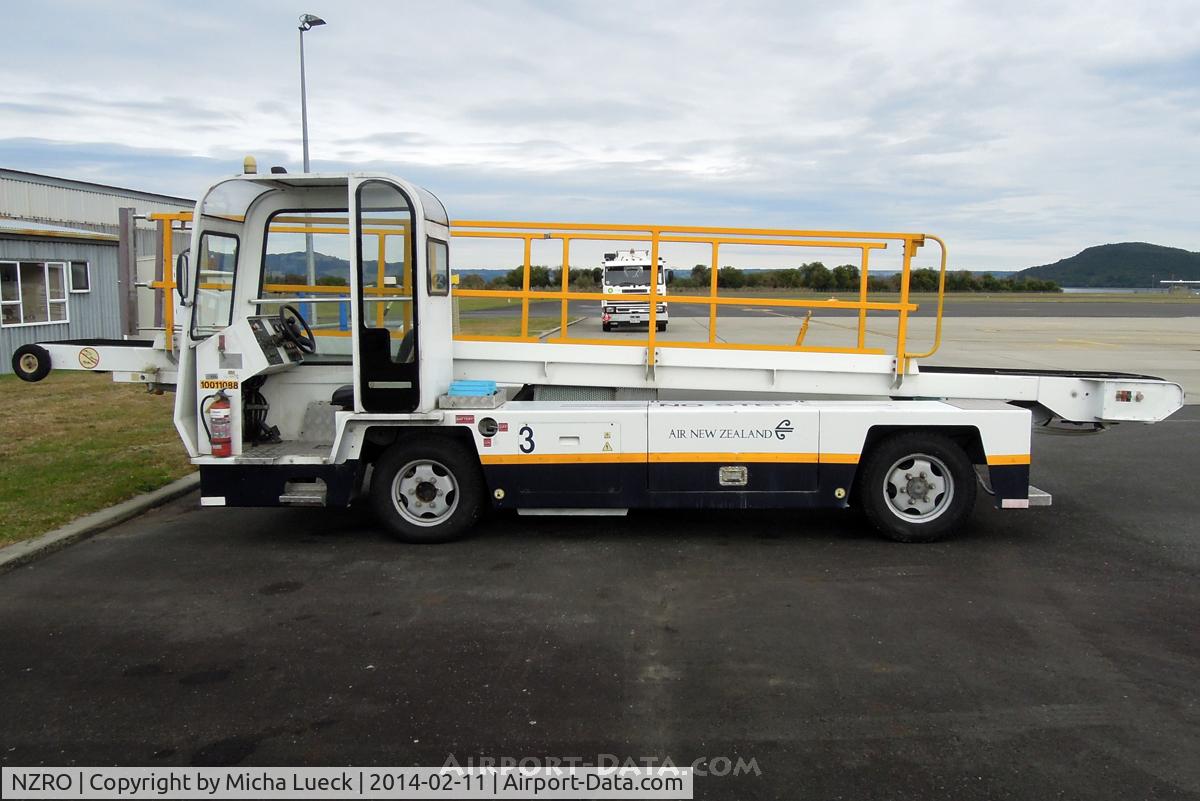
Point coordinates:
[(166, 251), (863, 242), (527, 232), (380, 294)]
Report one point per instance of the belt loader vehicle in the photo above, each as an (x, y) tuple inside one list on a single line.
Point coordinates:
[(308, 392)]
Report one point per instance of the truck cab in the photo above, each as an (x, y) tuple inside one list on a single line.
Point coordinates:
[(626, 273), (308, 300)]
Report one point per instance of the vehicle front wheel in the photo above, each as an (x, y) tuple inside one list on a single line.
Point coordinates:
[(662, 326), (917, 487), (606, 326), (427, 492)]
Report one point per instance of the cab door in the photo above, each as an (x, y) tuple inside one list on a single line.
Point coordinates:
[(386, 346)]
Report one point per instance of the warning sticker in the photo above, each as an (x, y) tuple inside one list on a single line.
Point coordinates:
[(504, 426), (607, 446), (89, 358), (464, 419)]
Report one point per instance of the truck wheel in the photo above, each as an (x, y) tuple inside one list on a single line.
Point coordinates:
[(606, 326), (427, 492), (662, 326), (917, 487), (31, 362)]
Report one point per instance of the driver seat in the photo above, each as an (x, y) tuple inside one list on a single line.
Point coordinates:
[(343, 397)]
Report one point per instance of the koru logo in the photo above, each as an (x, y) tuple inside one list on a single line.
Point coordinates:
[(783, 429)]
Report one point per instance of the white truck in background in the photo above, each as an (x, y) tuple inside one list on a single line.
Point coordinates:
[(626, 276)]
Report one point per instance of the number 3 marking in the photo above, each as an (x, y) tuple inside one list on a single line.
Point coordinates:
[(527, 444)]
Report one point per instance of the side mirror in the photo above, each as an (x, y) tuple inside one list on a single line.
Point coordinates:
[(181, 274)]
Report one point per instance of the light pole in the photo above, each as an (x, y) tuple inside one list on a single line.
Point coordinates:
[(307, 22)]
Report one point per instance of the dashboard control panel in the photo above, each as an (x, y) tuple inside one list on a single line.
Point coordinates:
[(275, 345)]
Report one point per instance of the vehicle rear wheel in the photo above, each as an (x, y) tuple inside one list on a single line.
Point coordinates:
[(917, 487), (427, 492), (31, 362)]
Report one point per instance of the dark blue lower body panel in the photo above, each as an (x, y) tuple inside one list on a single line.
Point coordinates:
[(596, 486), (667, 485), (261, 485), (1009, 481)]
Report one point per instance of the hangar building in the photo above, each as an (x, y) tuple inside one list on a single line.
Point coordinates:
[(59, 276)]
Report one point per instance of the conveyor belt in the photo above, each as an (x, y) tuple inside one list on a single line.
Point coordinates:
[(1090, 374)]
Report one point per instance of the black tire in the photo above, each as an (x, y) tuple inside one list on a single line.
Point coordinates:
[(606, 326), (662, 326), (453, 489), (31, 363), (938, 493)]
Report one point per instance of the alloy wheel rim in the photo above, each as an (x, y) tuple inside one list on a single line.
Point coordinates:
[(425, 492), (918, 488)]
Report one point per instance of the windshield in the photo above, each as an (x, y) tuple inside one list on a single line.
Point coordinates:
[(631, 276)]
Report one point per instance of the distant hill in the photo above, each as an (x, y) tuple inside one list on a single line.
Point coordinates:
[(282, 264), (1126, 264), (329, 269)]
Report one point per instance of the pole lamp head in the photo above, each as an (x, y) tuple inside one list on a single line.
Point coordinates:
[(308, 21)]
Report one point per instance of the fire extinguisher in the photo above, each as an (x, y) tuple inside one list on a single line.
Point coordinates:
[(220, 425)]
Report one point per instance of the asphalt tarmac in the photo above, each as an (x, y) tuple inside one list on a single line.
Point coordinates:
[(1048, 653)]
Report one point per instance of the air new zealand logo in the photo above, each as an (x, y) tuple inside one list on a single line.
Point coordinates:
[(783, 429)]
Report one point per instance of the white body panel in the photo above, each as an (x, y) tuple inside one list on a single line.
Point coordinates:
[(762, 430), (1078, 399)]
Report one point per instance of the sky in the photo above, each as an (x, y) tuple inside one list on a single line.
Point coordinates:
[(1020, 132)]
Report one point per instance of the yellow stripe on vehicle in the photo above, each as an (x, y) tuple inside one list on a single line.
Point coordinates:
[(1003, 459), (840, 458), (730, 458), (668, 458), (562, 458)]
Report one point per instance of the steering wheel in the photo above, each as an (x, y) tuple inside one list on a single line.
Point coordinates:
[(297, 329)]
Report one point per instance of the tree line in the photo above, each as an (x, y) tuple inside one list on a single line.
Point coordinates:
[(814, 276)]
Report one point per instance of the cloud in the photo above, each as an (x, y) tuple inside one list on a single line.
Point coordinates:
[(1021, 132)]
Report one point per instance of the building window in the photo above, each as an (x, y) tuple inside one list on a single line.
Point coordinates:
[(33, 292), (81, 276)]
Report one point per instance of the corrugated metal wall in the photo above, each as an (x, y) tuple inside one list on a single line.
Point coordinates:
[(85, 206), (90, 207), (54, 200), (91, 315)]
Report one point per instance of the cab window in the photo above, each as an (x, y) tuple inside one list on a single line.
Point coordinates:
[(306, 264), (437, 259), (216, 274)]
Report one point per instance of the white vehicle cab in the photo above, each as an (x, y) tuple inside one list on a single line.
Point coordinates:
[(292, 391), (627, 273)]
